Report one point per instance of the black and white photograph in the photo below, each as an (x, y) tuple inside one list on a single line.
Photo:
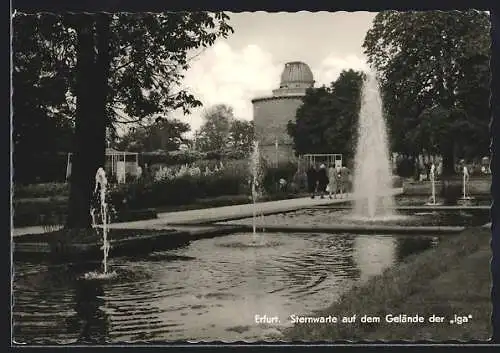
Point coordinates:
[(251, 177)]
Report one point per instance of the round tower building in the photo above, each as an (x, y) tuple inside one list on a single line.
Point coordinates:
[(271, 114)]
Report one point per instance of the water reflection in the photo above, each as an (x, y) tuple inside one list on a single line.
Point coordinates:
[(374, 254), (42, 302), (52, 305), (90, 321), (204, 291)]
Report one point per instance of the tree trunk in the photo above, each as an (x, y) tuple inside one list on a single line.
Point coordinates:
[(90, 139), (449, 159), (448, 192)]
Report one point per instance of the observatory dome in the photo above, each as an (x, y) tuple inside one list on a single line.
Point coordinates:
[(296, 74)]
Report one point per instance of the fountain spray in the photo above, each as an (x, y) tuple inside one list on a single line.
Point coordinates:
[(255, 182), (465, 178), (372, 173), (433, 183), (100, 185)]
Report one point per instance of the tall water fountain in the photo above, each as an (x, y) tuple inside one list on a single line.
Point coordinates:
[(372, 172)]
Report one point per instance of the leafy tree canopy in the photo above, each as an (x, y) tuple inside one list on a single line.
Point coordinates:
[(326, 121), (434, 72), (162, 134), (241, 137), (148, 55), (223, 133)]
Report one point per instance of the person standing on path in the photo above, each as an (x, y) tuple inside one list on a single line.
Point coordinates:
[(322, 180), (333, 182), (312, 180)]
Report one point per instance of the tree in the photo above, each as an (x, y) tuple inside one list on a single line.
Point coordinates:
[(92, 72), (326, 121), (434, 72), (214, 134), (128, 62), (163, 134), (42, 123), (241, 137)]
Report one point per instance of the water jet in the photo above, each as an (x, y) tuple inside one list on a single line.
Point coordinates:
[(372, 171)]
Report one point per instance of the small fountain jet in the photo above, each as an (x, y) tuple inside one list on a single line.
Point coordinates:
[(432, 176), (255, 171), (465, 199), (101, 183)]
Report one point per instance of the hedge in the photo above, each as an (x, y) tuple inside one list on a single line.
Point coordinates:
[(126, 197), (178, 191), (41, 190), (37, 212)]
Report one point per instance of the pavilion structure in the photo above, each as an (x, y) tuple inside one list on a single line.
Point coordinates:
[(118, 164)]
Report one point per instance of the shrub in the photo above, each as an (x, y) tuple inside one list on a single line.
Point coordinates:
[(272, 175), (405, 168), (176, 191), (169, 158), (29, 213), (41, 190)]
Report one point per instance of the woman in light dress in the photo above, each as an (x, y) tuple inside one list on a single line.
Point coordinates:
[(333, 177)]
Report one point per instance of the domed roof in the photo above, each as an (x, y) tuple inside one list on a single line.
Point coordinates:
[(296, 73)]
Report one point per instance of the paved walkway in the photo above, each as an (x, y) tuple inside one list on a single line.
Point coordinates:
[(215, 214)]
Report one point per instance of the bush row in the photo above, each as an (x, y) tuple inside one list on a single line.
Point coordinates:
[(235, 168), (33, 205), (41, 190), (232, 181), (179, 191), (47, 211), (50, 167), (187, 157)]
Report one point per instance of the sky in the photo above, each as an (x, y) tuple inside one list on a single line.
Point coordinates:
[(249, 62)]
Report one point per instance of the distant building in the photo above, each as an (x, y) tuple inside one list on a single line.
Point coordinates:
[(271, 114)]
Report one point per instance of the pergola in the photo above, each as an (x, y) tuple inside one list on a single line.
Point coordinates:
[(326, 158), (116, 163)]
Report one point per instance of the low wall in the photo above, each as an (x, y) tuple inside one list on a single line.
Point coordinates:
[(476, 186)]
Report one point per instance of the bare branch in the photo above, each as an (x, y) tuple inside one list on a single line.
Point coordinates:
[(122, 66), (127, 122)]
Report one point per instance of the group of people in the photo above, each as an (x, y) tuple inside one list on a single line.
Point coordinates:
[(332, 181)]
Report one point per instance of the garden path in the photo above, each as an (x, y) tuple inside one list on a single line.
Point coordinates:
[(215, 214)]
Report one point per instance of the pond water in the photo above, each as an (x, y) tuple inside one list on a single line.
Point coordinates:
[(337, 216), (208, 290), (415, 200)]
